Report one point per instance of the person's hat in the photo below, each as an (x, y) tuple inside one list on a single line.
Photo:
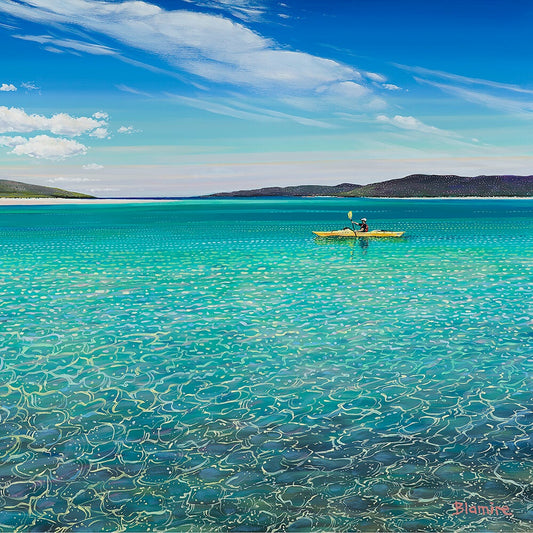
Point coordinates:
[(363, 219)]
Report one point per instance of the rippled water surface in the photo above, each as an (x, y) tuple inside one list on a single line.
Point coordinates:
[(211, 365)]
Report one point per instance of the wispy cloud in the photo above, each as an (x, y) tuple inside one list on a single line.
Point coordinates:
[(503, 97), (305, 121), (132, 90), (211, 47), (29, 86), (246, 10), (7, 26), (219, 108), (92, 166), (413, 124), (514, 106), (245, 111), (464, 79), (68, 44), (231, 106)]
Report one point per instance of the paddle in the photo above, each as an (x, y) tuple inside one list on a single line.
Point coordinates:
[(350, 217)]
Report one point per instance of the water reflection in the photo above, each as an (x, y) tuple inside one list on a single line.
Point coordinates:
[(363, 243)]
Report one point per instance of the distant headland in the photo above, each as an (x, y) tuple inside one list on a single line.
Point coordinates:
[(17, 189), (413, 186)]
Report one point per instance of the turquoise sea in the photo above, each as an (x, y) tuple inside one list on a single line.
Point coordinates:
[(210, 365)]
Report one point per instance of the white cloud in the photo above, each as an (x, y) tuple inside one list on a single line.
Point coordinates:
[(100, 133), (63, 124), (375, 77), (67, 44), (391, 87), (267, 68), (92, 166), (44, 147), (126, 129), (211, 47), (346, 89), (413, 124), (101, 115), (16, 120), (11, 142), (6, 87)]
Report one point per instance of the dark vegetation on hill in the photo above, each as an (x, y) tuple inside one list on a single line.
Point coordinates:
[(415, 185), (431, 185), (17, 189), (298, 190)]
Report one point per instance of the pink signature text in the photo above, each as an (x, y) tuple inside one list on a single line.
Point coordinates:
[(473, 508)]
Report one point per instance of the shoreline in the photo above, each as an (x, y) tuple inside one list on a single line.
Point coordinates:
[(444, 197), (80, 201), (110, 201)]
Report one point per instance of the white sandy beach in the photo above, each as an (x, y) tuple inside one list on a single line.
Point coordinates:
[(448, 197), (77, 201), (97, 201)]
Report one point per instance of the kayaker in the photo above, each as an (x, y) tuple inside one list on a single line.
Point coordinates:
[(363, 225)]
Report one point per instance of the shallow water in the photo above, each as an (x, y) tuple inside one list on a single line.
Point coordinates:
[(211, 365)]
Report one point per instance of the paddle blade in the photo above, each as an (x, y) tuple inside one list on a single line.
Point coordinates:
[(350, 215)]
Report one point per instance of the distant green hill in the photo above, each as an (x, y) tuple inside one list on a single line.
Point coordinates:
[(17, 189), (432, 185), (415, 185), (298, 190)]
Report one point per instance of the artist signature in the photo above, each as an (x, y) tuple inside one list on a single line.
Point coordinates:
[(465, 508)]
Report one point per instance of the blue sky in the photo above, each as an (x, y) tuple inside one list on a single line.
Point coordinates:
[(192, 97)]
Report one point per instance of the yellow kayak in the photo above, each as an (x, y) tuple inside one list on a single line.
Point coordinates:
[(351, 233)]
